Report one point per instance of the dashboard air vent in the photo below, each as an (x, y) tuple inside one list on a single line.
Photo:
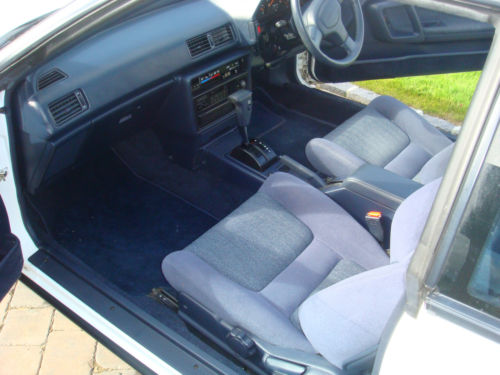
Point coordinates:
[(49, 78), (211, 40), (198, 45), (68, 106), (222, 35)]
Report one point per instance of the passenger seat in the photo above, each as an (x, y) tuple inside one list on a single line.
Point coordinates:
[(293, 269)]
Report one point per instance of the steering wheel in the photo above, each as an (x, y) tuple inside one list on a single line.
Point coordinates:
[(323, 19)]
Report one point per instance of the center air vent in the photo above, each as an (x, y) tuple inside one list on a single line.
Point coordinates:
[(49, 78), (222, 35), (211, 40), (68, 106)]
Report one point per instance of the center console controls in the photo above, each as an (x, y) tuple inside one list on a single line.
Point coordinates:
[(211, 90), (197, 109)]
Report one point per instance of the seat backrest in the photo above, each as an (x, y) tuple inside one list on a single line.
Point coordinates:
[(409, 221), (436, 166), (344, 322)]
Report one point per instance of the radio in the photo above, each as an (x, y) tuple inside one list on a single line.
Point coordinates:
[(211, 90)]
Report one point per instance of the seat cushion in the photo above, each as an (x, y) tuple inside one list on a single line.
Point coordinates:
[(263, 301), (255, 243), (386, 133)]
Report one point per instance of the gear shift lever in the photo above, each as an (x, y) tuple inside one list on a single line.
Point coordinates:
[(254, 153), (242, 101)]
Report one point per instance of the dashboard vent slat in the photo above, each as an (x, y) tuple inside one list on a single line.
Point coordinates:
[(68, 106), (208, 41), (50, 78)]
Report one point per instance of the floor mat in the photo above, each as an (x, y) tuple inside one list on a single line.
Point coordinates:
[(122, 226), (145, 157), (285, 130), (263, 120)]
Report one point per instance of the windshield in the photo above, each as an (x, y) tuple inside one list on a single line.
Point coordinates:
[(17, 16)]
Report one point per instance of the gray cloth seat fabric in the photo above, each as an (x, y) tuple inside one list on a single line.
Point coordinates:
[(288, 244), (388, 134), (349, 317)]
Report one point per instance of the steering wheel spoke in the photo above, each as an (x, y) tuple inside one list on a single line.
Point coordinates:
[(349, 45), (316, 35)]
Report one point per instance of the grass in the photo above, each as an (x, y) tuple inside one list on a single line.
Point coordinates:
[(443, 95)]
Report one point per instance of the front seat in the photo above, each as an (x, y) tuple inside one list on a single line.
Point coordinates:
[(293, 269), (388, 134)]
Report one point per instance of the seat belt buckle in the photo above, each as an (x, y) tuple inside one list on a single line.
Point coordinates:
[(373, 221)]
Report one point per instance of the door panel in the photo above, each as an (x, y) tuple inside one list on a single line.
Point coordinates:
[(403, 40), (11, 257)]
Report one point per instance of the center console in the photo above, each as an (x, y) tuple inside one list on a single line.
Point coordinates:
[(198, 110), (207, 106)]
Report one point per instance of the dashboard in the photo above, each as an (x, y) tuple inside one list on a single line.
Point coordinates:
[(144, 69)]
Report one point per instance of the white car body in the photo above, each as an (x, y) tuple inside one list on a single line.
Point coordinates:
[(421, 343)]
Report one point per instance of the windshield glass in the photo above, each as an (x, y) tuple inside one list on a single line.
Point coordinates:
[(20, 12)]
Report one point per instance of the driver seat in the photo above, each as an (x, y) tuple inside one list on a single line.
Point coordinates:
[(387, 134)]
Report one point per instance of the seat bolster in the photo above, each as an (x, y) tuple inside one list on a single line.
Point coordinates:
[(349, 317), (409, 162), (292, 286), (236, 305), (414, 125), (332, 159)]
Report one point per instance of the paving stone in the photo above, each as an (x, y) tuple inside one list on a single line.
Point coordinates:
[(4, 303), (118, 372), (20, 360), (26, 327), (24, 297), (106, 359), (68, 353), (61, 323)]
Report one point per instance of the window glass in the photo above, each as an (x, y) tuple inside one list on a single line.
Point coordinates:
[(472, 271), (485, 281)]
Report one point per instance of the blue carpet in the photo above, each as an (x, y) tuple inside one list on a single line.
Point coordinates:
[(122, 226), (285, 130)]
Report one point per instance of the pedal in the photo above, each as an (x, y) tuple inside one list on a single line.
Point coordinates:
[(166, 298)]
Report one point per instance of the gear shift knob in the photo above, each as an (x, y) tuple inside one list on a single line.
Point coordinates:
[(242, 101)]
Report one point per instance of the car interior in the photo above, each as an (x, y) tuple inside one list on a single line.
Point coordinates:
[(181, 161)]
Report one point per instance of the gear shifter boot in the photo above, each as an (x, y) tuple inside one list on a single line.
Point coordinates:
[(256, 154)]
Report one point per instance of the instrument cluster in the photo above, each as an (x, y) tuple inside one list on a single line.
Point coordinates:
[(275, 30), (272, 8)]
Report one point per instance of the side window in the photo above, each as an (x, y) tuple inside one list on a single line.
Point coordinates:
[(472, 271)]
